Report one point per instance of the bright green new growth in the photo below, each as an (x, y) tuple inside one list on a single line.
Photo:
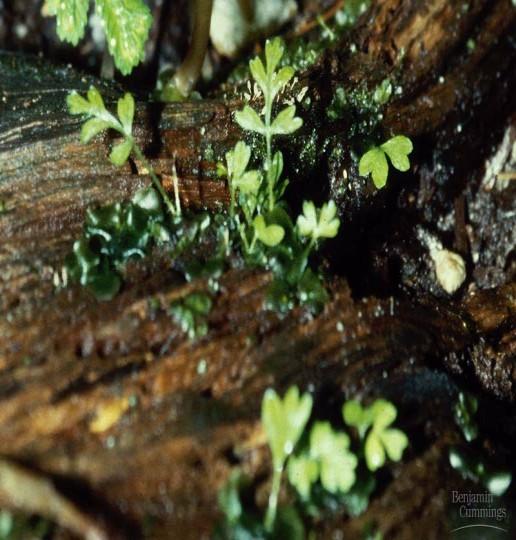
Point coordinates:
[(100, 119), (284, 422), (374, 161), (381, 439), (126, 23)]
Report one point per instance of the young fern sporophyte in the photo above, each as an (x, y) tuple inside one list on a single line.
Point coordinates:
[(267, 232), (100, 119), (271, 83)]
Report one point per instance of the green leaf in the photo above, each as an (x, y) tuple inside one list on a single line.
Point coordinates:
[(394, 442), (307, 222), (93, 105), (200, 303), (303, 472), (274, 50), (125, 110), (284, 421), (191, 313), (276, 167), (92, 127), (398, 149), (328, 225), (71, 17), (120, 152), (96, 102), (77, 104), (286, 123), (374, 452), (237, 159), (337, 463), (249, 120), (127, 24), (375, 163), (280, 79), (85, 258), (270, 235), (355, 415), (321, 223), (249, 182), (258, 72), (383, 412), (383, 92), (148, 199)]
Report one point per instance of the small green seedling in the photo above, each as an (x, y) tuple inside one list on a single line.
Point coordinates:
[(100, 119), (464, 413), (373, 423), (374, 161), (284, 421), (329, 460), (126, 23)]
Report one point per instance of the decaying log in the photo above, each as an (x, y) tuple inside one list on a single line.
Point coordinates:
[(113, 402)]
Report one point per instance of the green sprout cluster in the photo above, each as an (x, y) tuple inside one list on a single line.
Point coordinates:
[(114, 234), (319, 460)]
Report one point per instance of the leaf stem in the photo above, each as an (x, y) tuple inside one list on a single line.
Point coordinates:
[(140, 156), (270, 516), (268, 144)]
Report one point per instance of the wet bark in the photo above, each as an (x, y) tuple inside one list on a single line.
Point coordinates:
[(189, 411)]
